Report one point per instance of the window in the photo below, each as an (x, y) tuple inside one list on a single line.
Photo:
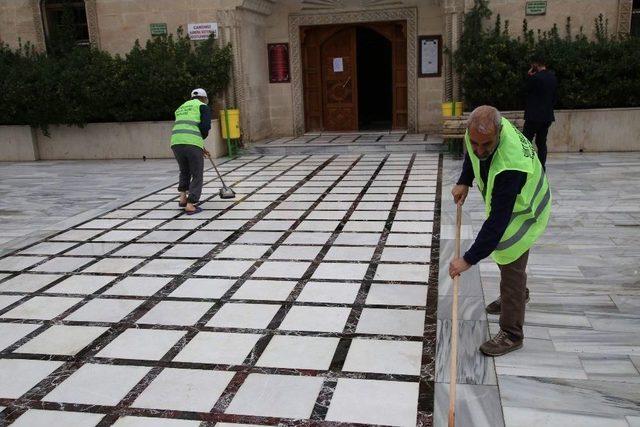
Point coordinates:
[(635, 19), (65, 21)]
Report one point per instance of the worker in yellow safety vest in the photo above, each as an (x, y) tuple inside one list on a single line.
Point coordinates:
[(517, 200), (192, 126)]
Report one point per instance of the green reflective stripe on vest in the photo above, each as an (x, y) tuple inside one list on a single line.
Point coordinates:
[(533, 205), (187, 122), (519, 234), (186, 129), (535, 194)]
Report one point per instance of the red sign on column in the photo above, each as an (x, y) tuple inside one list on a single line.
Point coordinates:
[(279, 63)]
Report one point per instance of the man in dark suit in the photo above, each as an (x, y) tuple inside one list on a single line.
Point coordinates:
[(541, 97)]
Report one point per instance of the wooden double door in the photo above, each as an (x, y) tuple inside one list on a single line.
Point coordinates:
[(330, 75)]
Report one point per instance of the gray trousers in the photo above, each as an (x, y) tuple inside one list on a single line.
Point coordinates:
[(513, 288), (191, 163)]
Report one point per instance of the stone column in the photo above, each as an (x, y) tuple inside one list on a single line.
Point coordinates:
[(625, 8)]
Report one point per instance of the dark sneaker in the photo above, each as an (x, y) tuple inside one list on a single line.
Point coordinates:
[(500, 344), (494, 307)]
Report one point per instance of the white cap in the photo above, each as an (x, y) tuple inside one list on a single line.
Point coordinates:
[(199, 92)]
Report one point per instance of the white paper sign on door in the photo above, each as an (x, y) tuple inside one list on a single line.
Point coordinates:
[(338, 66)]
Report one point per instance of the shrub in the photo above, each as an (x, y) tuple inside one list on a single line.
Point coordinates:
[(601, 72), (82, 84)]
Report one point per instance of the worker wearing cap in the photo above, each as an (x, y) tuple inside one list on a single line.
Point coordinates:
[(517, 200), (192, 126)]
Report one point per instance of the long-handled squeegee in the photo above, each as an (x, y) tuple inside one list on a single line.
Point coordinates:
[(225, 192)]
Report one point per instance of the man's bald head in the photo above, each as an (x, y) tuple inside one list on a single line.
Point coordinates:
[(484, 130), (485, 120)]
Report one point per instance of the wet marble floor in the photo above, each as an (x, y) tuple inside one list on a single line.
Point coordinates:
[(581, 358), (309, 299)]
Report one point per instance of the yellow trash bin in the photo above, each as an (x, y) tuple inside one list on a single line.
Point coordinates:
[(459, 106), (234, 124), (447, 109)]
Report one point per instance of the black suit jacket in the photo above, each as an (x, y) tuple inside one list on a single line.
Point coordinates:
[(541, 96)]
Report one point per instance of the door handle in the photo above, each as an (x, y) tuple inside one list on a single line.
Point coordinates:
[(346, 83)]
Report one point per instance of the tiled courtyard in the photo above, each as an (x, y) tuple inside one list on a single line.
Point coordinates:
[(318, 296), (310, 296)]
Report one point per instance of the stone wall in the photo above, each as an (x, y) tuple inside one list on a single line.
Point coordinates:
[(582, 13), (595, 130), (97, 141)]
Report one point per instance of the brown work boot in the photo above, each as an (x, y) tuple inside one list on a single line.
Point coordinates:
[(500, 344), (494, 307)]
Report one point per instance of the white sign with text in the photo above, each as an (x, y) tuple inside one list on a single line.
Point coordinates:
[(201, 31)]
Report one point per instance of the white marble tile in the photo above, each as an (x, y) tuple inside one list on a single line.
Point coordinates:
[(138, 286), (224, 268), (42, 308), (298, 352), (358, 239), (165, 266), (104, 310), (41, 418), (276, 396), (184, 390), (184, 313), (7, 300), (187, 250), (218, 347), (318, 319), (62, 340), (63, 265), (473, 366), (143, 344), (27, 282), (113, 265), (18, 376), (397, 295), (391, 322), (409, 239), (76, 235), (307, 238), (329, 292), (97, 384), (384, 356), (244, 251), (140, 249), (265, 237), (600, 398), (130, 421), (203, 288), (374, 402), (238, 315), (81, 284), (541, 364), (402, 272), (12, 332), (406, 254), (350, 253), (529, 417), (119, 236), (295, 253), (47, 248), (585, 341), (93, 249), (18, 263), (476, 405), (285, 269), (208, 237), (265, 290), (340, 271)]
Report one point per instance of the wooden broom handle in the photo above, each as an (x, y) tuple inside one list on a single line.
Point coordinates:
[(453, 373)]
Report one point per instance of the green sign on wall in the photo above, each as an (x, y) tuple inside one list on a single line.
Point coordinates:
[(536, 7), (159, 29)]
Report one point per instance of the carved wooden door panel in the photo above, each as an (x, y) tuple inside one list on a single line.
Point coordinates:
[(339, 81)]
